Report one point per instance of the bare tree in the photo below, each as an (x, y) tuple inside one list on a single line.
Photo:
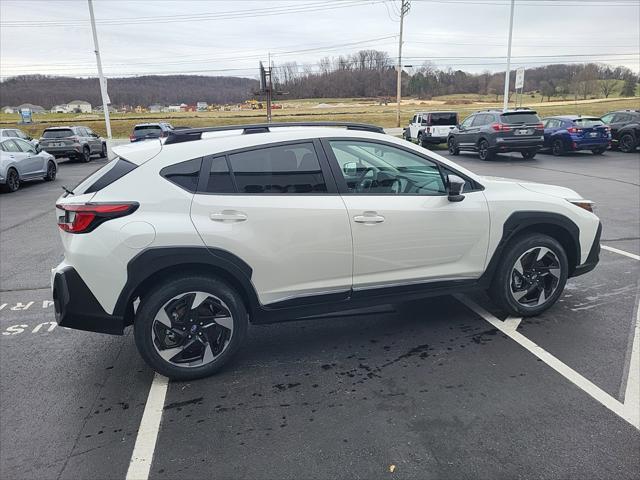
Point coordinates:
[(608, 86)]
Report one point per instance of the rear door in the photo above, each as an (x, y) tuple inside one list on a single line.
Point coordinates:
[(551, 126), (32, 163), (464, 135), (16, 155), (405, 230), (93, 140), (277, 208)]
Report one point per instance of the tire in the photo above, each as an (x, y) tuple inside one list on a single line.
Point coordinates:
[(598, 151), (406, 135), (86, 155), (453, 147), (419, 139), (627, 143), (12, 182), (52, 171), (218, 300), (103, 152), (529, 154), (520, 294), (557, 148), (484, 152)]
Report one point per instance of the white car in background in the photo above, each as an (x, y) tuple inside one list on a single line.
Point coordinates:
[(192, 237), (430, 128), (21, 161)]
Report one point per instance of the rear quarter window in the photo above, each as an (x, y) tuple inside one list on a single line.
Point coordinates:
[(184, 174), (112, 171)]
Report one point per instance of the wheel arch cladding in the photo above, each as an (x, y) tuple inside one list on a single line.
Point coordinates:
[(557, 226), (158, 264)]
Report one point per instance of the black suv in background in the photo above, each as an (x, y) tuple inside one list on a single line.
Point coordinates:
[(75, 142), (145, 131), (625, 129), (493, 131)]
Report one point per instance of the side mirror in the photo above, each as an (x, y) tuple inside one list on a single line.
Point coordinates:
[(38, 148), (454, 188), (350, 169)]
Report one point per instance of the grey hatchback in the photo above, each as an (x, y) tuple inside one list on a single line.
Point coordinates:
[(21, 161), (74, 142)]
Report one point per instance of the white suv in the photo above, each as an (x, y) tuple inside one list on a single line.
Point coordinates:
[(192, 237)]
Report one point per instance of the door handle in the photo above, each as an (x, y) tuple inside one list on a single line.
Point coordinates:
[(228, 216), (369, 218)]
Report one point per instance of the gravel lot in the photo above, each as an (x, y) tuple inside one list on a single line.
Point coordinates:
[(431, 389)]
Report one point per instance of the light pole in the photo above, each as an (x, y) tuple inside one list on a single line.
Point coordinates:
[(404, 9), (103, 83), (505, 103)]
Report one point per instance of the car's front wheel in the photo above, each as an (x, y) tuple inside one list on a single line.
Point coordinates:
[(52, 171), (190, 327), (530, 276)]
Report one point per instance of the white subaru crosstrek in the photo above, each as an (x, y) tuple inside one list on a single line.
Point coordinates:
[(192, 237)]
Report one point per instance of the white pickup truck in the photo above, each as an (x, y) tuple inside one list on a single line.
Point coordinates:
[(430, 127)]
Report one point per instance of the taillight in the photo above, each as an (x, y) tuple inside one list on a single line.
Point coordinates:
[(574, 130), (85, 217), (500, 127), (74, 139), (132, 138), (540, 126)]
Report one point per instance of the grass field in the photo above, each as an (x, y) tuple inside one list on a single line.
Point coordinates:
[(335, 109)]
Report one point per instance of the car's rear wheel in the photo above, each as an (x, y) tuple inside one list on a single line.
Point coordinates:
[(52, 171), (484, 152), (453, 146), (406, 135), (598, 151), (529, 154), (531, 275), (103, 152), (13, 181), (557, 148), (86, 155), (419, 139), (190, 327), (627, 143)]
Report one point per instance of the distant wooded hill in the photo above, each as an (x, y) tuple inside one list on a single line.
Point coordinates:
[(175, 89)]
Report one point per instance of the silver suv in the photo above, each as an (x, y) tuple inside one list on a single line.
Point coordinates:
[(73, 142)]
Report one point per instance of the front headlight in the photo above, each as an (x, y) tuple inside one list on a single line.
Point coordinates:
[(588, 205)]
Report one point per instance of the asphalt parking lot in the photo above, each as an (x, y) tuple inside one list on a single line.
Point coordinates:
[(443, 388)]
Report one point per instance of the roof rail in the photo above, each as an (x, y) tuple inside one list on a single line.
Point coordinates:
[(192, 134)]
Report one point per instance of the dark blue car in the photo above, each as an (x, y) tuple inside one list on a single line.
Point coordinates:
[(570, 133)]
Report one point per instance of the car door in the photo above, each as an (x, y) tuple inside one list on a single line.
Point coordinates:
[(405, 230), (276, 207), (32, 163), (414, 126), (94, 141), (618, 121), (551, 126), (464, 135), (16, 156)]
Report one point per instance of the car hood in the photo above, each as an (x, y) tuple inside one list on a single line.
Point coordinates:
[(542, 188)]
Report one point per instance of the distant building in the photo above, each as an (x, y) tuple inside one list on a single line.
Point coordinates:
[(32, 107), (79, 106), (172, 108), (155, 108), (201, 106), (59, 108), (8, 109)]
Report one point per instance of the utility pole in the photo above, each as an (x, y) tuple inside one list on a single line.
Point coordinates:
[(404, 9), (103, 82), (505, 103), (269, 89)]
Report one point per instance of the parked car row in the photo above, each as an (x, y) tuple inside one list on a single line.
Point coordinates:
[(23, 158), (494, 131)]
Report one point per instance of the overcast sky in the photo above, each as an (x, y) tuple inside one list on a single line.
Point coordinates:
[(230, 37)]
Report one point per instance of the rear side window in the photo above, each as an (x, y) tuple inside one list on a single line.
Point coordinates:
[(58, 133), (220, 180), (184, 174), (519, 117), (10, 146), (276, 170), (443, 118)]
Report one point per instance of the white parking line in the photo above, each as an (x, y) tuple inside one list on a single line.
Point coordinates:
[(621, 252), (145, 445), (626, 411)]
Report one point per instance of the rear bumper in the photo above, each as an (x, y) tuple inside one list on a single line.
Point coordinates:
[(76, 307), (68, 151), (433, 139), (519, 145), (589, 144), (593, 258)]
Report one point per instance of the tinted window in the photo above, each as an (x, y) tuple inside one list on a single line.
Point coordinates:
[(58, 133), (467, 122), (480, 120), (150, 131), (444, 118), (588, 122), (622, 117), (119, 169), (607, 118), (10, 146), (220, 180), (377, 169), (184, 174), (25, 146), (284, 169), (519, 117)]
